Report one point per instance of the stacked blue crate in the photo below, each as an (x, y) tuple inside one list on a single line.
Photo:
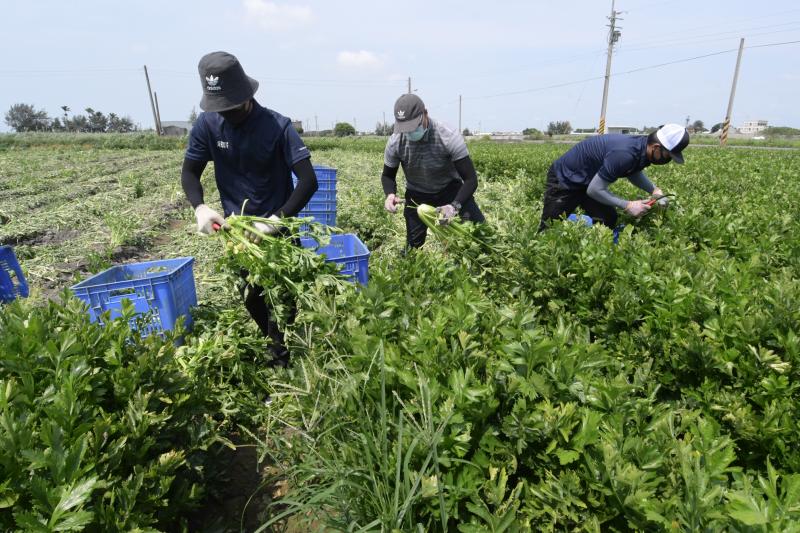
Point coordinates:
[(12, 280), (322, 206)]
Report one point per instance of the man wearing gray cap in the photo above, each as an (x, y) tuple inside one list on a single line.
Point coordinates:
[(437, 167), (254, 150)]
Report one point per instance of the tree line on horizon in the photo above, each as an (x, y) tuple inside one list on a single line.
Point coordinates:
[(25, 117)]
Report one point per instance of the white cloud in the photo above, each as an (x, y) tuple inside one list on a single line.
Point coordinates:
[(360, 59), (272, 16)]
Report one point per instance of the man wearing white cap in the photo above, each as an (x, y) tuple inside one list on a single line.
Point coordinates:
[(582, 175)]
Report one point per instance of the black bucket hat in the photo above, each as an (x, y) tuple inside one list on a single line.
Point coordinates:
[(225, 85)]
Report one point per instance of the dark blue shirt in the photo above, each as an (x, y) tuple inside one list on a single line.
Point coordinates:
[(252, 161), (610, 156)]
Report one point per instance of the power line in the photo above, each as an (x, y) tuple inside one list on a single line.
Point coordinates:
[(639, 69), (718, 24), (681, 38), (704, 41)]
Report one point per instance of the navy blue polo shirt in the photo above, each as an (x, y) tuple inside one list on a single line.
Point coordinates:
[(610, 156), (252, 161)]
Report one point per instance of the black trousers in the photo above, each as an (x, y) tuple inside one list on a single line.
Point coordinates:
[(560, 202), (416, 230), (262, 313)]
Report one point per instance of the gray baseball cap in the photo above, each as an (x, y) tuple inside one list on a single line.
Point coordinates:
[(408, 113), (225, 85)]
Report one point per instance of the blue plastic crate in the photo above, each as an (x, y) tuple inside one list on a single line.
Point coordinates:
[(348, 251), (163, 289), (326, 174), (12, 280), (617, 231), (321, 217), (586, 220), (325, 188), (326, 178), (324, 196), (317, 206)]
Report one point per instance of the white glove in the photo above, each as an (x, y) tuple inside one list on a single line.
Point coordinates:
[(637, 208), (446, 213), (266, 229), (391, 203), (206, 218)]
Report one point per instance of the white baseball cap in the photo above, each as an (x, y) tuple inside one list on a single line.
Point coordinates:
[(674, 138)]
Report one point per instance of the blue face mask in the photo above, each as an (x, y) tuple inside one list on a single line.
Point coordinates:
[(417, 134)]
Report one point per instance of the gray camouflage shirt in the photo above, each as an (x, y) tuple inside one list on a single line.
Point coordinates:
[(427, 163)]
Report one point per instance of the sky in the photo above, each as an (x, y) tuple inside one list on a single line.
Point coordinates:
[(516, 64)]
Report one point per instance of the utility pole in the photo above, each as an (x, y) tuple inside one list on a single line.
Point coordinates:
[(459, 115), (613, 37), (383, 131), (409, 85), (723, 139), (316, 125), (158, 115), (152, 104)]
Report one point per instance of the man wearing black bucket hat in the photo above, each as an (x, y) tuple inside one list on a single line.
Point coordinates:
[(582, 175), (437, 167), (254, 150)]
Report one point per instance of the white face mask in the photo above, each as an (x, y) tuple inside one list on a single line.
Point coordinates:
[(417, 134)]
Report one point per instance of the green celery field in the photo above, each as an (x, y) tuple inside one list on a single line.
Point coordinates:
[(495, 380)]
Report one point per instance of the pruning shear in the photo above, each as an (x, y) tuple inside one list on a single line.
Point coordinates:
[(652, 201)]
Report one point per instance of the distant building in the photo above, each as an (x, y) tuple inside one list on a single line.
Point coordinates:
[(507, 136), (625, 130), (297, 125), (753, 127), (176, 128)]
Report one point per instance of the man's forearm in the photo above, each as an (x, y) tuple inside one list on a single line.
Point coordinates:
[(468, 174), (306, 187), (190, 181), (389, 180), (640, 180), (598, 190)]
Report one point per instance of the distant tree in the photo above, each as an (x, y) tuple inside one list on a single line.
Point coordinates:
[(23, 117), (383, 129), (781, 131), (119, 124), (65, 109), (559, 128), (77, 123), (716, 127), (56, 125), (698, 126), (193, 116), (342, 129), (466, 133), (98, 122)]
